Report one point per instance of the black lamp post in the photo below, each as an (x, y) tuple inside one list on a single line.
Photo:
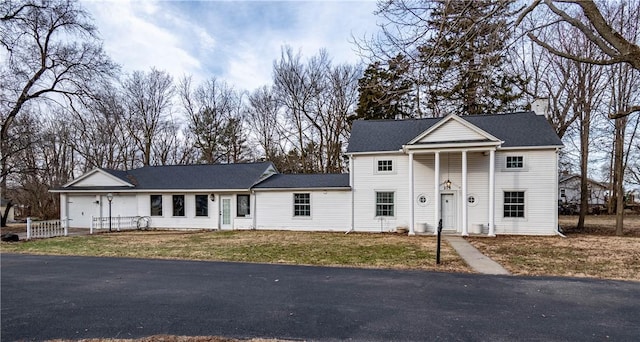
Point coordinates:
[(110, 198)]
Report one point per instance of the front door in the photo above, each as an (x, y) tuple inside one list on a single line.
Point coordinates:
[(447, 211), (225, 212)]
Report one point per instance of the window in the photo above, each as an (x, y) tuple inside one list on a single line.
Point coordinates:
[(242, 205), (514, 204), (515, 162), (302, 205), (178, 205), (562, 193), (156, 205), (385, 165), (202, 205), (384, 204)]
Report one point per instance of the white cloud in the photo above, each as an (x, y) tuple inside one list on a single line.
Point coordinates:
[(133, 40), (236, 42)]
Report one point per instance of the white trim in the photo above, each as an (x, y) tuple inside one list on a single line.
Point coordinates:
[(504, 163), (533, 148), (458, 119), (375, 203), (465, 208), (164, 191), (303, 189), (436, 191), (379, 159), (524, 205), (492, 192), (293, 207), (374, 152), (455, 147)]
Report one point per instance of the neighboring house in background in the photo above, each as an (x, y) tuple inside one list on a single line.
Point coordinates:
[(569, 191), (11, 213), (493, 171)]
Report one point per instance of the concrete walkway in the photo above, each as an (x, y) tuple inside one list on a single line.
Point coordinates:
[(476, 260)]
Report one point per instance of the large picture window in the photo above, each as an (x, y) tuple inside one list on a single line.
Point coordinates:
[(178, 205), (385, 203), (156, 205), (514, 204), (242, 205), (202, 205), (302, 205)]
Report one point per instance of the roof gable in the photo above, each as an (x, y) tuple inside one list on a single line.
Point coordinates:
[(523, 129), (98, 178), (452, 128)]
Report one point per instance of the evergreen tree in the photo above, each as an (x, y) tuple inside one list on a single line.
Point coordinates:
[(465, 57), (385, 93)]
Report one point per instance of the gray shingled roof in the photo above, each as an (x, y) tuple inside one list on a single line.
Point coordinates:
[(305, 181), (515, 129), (212, 176)]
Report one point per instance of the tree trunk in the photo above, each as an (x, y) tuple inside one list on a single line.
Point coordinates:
[(620, 125), (584, 162), (5, 215)]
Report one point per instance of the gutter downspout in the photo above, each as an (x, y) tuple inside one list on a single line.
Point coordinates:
[(556, 224), (351, 180), (255, 209)]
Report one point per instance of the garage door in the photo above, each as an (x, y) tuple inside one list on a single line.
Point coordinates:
[(81, 208)]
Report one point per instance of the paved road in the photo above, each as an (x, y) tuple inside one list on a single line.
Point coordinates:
[(46, 297)]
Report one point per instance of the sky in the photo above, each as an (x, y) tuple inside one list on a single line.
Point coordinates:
[(234, 41)]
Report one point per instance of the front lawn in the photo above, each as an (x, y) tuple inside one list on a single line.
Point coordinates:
[(305, 248), (591, 252)]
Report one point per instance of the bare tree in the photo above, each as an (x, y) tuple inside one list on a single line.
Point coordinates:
[(263, 119), (214, 119), (617, 44), (316, 100), (52, 54), (148, 100)]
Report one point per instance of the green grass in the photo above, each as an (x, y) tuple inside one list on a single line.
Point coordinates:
[(306, 248)]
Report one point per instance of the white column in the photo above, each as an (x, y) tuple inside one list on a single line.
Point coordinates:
[(492, 191), (436, 192), (465, 229), (411, 203)]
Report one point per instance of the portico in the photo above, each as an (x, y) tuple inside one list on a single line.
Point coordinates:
[(437, 141)]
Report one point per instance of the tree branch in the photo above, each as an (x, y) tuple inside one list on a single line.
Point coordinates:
[(623, 113)]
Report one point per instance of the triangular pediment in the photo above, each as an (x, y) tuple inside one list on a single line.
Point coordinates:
[(452, 129), (98, 178)]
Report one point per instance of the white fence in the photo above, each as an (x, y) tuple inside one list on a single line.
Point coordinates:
[(118, 223), (46, 229)]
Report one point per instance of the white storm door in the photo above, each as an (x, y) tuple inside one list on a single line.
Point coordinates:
[(225, 212), (447, 211)]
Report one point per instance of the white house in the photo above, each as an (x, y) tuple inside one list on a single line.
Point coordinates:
[(569, 186), (491, 174)]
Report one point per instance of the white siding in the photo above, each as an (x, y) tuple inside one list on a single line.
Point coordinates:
[(330, 210), (367, 182), (100, 179), (538, 181), (121, 205), (189, 220), (452, 130)]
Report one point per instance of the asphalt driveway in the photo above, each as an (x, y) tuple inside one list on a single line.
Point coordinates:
[(45, 297)]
